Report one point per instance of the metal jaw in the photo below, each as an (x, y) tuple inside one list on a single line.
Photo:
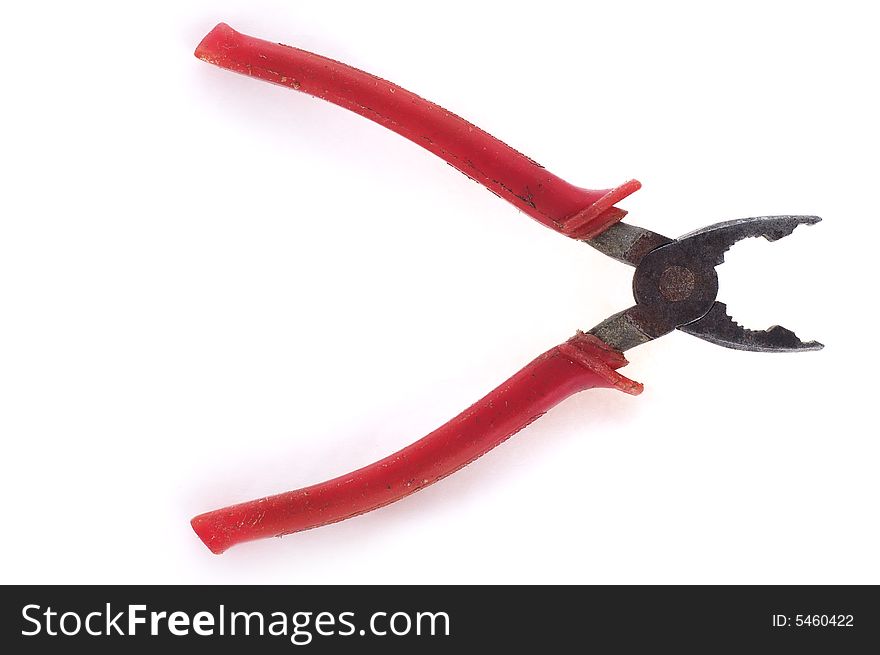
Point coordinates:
[(675, 285)]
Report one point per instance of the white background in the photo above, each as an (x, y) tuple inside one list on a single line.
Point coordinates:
[(213, 289)]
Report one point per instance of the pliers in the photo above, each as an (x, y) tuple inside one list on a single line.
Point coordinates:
[(675, 286)]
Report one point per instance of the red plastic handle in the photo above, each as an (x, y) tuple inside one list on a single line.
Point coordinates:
[(582, 362), (573, 211)]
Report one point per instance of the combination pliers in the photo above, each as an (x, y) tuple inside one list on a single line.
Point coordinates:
[(674, 284)]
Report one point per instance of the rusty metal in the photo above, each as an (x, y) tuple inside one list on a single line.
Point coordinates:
[(675, 285)]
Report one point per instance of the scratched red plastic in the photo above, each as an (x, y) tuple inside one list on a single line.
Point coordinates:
[(583, 362), (571, 210)]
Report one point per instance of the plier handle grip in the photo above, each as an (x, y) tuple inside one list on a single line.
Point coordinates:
[(675, 287)]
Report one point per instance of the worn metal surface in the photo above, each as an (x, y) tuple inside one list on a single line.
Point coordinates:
[(627, 243), (675, 285), (719, 328)]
